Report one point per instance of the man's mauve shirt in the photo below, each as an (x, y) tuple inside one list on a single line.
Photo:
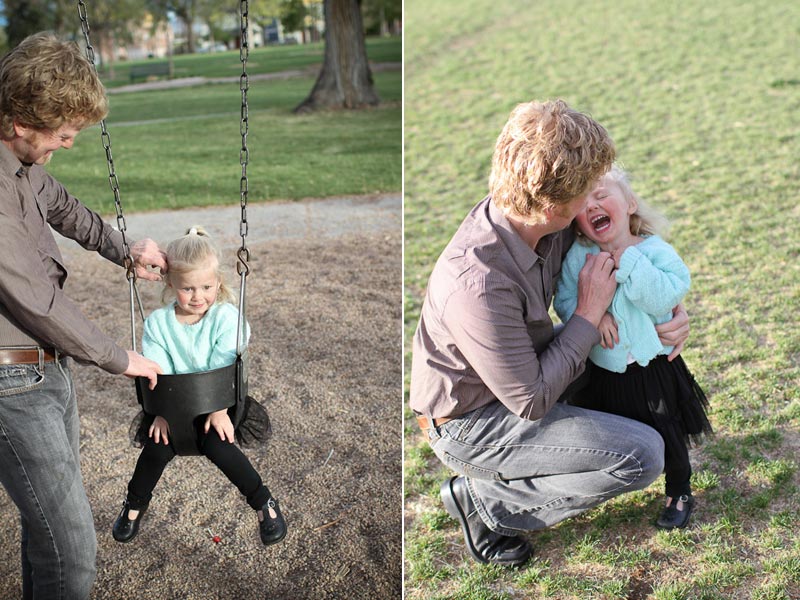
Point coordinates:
[(485, 333), (34, 311)]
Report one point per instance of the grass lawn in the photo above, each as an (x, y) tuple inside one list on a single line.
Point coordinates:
[(267, 59), (180, 147), (703, 101)]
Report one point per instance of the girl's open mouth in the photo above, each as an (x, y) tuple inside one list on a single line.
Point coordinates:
[(600, 223)]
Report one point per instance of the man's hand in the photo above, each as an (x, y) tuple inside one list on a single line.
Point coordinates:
[(146, 253), (221, 423), (675, 332), (596, 287), (139, 366)]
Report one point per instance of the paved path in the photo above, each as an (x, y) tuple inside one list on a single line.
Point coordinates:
[(308, 219), (310, 71)]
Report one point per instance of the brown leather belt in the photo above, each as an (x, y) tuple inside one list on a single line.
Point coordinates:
[(423, 421), (26, 356)]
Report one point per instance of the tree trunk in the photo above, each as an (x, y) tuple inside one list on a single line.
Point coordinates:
[(345, 80)]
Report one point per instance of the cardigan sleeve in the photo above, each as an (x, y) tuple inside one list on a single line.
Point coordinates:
[(154, 345), (653, 278), (223, 344)]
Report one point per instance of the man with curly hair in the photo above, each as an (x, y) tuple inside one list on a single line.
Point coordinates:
[(49, 92)]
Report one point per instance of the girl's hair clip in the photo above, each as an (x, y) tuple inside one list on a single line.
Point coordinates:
[(193, 231)]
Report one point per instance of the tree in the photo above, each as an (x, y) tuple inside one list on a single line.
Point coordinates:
[(293, 14), (345, 80), (25, 17), (110, 25), (382, 17)]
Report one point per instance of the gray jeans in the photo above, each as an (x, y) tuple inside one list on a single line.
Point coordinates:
[(40, 470), (526, 475)]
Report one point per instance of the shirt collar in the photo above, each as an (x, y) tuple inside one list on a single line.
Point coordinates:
[(10, 164), (522, 254)]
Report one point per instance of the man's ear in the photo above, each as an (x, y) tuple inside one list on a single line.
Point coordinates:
[(19, 129)]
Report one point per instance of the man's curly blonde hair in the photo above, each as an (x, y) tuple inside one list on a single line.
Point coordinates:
[(547, 155), (46, 82)]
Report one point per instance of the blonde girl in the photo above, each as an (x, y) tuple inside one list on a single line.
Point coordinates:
[(196, 331), (632, 373)]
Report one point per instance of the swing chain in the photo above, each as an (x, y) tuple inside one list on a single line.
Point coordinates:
[(106, 139), (243, 254)]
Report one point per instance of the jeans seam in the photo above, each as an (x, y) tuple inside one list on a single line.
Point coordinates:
[(27, 479)]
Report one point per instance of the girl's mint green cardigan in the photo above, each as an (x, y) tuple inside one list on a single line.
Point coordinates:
[(651, 280)]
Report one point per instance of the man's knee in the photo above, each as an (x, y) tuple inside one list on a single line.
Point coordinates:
[(648, 456)]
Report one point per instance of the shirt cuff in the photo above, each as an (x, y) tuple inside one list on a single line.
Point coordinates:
[(118, 364), (580, 334)]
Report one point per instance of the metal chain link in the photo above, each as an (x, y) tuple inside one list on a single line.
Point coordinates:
[(106, 139), (243, 254), (130, 271), (244, 124)]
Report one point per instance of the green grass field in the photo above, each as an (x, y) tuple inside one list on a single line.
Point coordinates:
[(267, 59), (703, 101), (180, 147)]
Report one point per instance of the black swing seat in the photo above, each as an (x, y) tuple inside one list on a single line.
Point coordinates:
[(180, 399)]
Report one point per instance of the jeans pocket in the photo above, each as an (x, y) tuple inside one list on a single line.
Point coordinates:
[(18, 379), (459, 428), (468, 469)]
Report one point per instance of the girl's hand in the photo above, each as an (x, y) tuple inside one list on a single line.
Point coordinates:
[(609, 335), (221, 423), (159, 430)]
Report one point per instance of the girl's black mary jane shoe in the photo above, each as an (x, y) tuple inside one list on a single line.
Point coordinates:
[(672, 518)]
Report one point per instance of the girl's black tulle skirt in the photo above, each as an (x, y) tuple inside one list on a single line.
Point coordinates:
[(254, 427), (662, 394)]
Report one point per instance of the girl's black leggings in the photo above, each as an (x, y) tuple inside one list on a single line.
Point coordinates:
[(226, 456)]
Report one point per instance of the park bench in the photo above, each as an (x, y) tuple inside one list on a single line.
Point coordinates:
[(144, 71)]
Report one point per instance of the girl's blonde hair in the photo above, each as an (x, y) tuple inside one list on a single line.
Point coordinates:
[(45, 83), (646, 220), (191, 252)]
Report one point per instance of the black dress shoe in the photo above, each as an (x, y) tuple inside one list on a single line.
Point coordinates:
[(272, 529), (672, 518), (483, 544), (125, 529)]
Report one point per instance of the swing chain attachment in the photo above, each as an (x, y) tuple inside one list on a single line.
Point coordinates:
[(130, 270)]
